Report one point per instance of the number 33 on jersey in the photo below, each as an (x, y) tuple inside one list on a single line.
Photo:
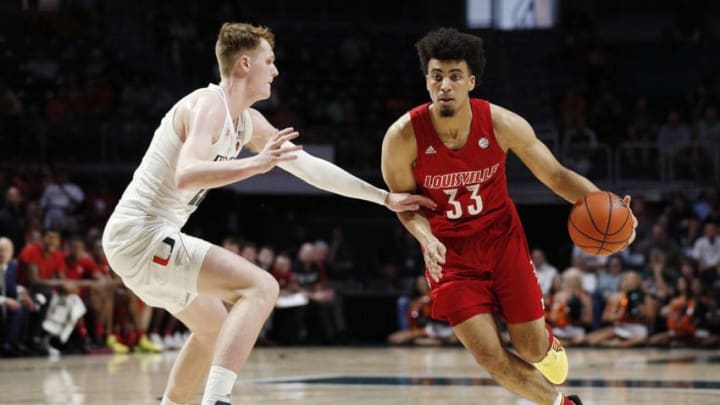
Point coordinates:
[(468, 184)]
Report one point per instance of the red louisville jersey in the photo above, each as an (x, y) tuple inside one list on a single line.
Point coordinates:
[(469, 185)]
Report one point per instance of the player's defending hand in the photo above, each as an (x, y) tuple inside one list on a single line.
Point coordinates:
[(627, 200), (274, 152), (434, 256), (399, 202)]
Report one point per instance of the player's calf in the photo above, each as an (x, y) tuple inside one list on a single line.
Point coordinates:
[(554, 366)]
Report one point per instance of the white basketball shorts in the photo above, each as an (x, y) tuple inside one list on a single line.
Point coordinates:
[(155, 260)]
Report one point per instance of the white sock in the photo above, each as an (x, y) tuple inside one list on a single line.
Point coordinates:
[(559, 399), (168, 401), (219, 385)]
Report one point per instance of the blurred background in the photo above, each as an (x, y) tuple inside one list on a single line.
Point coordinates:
[(625, 93)]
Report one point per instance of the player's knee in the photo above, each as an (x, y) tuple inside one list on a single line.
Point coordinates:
[(494, 361), (266, 290), (532, 350)]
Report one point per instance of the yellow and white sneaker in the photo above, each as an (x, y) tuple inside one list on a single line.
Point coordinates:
[(555, 364), (144, 345), (113, 343)]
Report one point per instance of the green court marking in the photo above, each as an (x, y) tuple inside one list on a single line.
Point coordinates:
[(464, 381)]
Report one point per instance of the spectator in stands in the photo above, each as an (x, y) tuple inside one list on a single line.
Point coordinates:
[(322, 259), (572, 309), (15, 303), (42, 268), (690, 232), (686, 315), (232, 244), (659, 277), (674, 135), (676, 214), (97, 291), (249, 252), (136, 324), (43, 265), (549, 298), (710, 278), (545, 271), (642, 125), (659, 240), (708, 128), (266, 257), (111, 325), (626, 314), (708, 201), (689, 267), (608, 283), (325, 306), (265, 260), (418, 327), (579, 145), (707, 248), (288, 320), (12, 217), (61, 201), (282, 271), (610, 277), (658, 281), (589, 265)]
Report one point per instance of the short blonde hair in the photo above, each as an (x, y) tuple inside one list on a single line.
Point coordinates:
[(236, 37)]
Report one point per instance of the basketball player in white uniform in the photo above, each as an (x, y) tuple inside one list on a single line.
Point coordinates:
[(194, 150)]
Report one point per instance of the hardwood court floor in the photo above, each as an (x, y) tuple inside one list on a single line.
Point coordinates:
[(363, 376)]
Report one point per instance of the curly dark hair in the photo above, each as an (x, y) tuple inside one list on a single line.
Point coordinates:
[(450, 44)]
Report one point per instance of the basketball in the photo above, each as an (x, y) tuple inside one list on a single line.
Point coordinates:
[(600, 223)]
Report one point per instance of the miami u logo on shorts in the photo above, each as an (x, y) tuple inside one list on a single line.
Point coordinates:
[(164, 252)]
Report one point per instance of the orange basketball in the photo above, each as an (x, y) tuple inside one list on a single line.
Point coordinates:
[(600, 223)]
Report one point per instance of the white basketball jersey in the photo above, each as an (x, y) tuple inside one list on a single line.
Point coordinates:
[(152, 191)]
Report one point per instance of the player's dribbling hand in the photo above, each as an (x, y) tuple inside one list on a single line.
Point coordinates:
[(434, 258), (399, 202), (274, 152), (627, 200)]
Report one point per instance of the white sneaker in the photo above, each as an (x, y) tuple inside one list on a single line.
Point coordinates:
[(179, 339), (156, 340), (169, 342)]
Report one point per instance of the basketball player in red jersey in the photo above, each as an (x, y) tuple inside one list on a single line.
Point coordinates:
[(453, 150)]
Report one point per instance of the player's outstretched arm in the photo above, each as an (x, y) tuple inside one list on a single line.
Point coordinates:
[(516, 134), (329, 177), (198, 121), (398, 154)]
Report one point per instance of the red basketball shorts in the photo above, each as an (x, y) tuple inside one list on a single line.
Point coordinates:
[(487, 275)]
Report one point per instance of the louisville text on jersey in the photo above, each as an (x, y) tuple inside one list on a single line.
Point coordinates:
[(457, 179)]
